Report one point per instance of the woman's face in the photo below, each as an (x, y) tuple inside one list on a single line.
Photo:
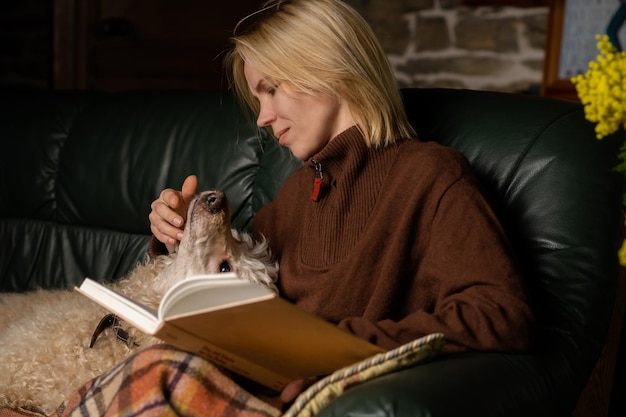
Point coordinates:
[(301, 122)]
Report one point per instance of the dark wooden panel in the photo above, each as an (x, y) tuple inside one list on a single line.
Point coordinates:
[(134, 44)]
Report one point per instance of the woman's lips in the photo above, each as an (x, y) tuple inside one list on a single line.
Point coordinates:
[(281, 135)]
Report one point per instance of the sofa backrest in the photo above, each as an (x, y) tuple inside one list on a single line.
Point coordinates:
[(557, 194), (80, 169)]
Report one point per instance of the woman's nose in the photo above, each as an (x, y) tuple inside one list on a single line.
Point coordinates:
[(266, 116)]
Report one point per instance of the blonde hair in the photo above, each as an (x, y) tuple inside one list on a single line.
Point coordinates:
[(321, 47)]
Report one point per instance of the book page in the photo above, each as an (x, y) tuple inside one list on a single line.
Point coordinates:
[(139, 315), (203, 293)]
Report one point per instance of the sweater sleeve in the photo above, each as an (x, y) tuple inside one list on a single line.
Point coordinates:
[(477, 295)]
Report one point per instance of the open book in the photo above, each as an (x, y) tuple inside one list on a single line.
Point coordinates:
[(241, 326)]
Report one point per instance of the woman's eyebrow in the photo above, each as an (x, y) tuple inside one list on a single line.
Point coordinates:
[(263, 84), (260, 86)]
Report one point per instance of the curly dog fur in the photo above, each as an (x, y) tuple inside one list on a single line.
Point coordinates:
[(45, 334)]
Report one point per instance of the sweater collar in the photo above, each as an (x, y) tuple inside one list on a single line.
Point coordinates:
[(347, 146), (340, 157)]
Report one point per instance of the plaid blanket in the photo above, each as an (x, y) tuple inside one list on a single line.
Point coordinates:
[(191, 386), (188, 386)]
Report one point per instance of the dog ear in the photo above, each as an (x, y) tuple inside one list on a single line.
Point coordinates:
[(255, 261)]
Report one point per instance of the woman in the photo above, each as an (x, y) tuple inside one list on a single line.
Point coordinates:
[(386, 236), (390, 218), (396, 226)]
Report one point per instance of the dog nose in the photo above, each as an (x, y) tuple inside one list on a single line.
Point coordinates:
[(215, 201)]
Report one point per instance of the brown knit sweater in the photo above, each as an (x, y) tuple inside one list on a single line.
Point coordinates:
[(400, 244)]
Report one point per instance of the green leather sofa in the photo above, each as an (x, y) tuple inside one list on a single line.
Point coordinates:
[(78, 171)]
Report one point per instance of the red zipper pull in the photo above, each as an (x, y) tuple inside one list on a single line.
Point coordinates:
[(317, 184)]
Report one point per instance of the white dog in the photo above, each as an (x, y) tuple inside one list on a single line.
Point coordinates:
[(45, 335)]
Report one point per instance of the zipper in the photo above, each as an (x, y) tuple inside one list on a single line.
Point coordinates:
[(317, 183)]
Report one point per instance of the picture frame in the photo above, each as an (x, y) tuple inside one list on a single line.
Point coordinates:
[(571, 42), (513, 3)]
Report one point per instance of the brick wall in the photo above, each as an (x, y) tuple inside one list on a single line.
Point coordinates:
[(441, 43)]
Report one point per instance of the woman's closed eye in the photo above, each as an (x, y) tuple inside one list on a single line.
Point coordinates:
[(272, 90)]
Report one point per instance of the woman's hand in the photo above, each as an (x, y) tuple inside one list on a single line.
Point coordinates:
[(169, 213), (294, 388)]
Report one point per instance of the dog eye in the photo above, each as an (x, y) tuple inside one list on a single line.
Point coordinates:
[(224, 267)]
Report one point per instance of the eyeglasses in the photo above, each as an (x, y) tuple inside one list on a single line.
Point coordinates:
[(113, 322), (251, 21)]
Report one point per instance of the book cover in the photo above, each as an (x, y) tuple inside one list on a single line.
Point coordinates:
[(241, 326)]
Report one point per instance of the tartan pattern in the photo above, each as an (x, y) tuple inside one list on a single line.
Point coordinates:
[(188, 385), (19, 412), (160, 381)]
